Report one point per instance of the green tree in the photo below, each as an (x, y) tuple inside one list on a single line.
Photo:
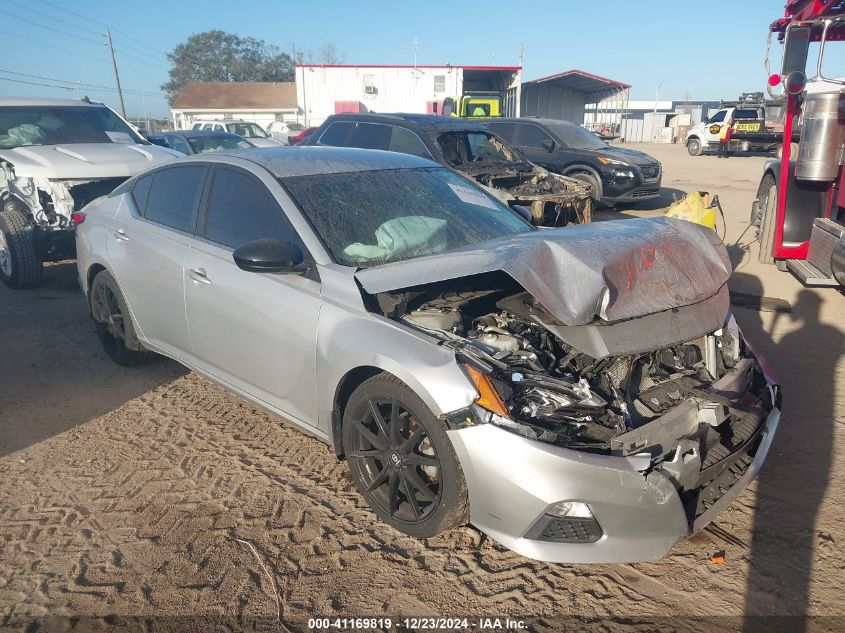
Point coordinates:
[(218, 56)]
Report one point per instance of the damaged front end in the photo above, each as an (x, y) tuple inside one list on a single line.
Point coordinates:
[(669, 408), (51, 204), (552, 199)]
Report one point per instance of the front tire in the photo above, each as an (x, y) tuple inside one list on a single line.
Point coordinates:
[(595, 186), (401, 460), (694, 147), (20, 266), (114, 323)]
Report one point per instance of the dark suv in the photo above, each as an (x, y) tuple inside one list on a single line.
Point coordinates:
[(616, 175), (470, 149)]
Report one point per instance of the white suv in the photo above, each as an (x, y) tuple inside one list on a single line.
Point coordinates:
[(56, 156), (246, 129)]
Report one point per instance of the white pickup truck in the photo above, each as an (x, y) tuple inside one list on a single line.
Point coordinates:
[(750, 131)]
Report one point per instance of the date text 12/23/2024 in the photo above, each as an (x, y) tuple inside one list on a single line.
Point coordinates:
[(417, 624)]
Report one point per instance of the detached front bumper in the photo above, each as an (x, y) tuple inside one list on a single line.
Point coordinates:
[(514, 482)]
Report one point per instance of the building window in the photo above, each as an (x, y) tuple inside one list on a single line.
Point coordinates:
[(370, 84), (439, 83)]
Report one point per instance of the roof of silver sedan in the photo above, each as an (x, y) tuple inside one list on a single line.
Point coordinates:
[(287, 162)]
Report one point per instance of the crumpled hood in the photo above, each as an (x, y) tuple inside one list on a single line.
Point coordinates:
[(614, 270), (85, 160)]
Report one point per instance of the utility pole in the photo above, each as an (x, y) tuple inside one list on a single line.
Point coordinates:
[(146, 118), (116, 76)]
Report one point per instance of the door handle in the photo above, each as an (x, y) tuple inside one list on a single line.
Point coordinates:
[(199, 275), (121, 235)]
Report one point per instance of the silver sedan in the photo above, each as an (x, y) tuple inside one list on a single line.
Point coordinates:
[(579, 394)]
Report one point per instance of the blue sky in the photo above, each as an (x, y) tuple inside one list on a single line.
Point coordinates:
[(639, 43)]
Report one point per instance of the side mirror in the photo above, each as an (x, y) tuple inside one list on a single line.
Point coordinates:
[(269, 256), (548, 145), (795, 82)]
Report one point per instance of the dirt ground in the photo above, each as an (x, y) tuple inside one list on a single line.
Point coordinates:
[(150, 498)]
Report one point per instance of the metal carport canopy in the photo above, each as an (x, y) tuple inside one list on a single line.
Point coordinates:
[(591, 85)]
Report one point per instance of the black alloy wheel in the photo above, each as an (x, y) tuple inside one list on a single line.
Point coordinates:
[(401, 460), (113, 322)]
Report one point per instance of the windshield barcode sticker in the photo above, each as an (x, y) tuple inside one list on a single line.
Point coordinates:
[(472, 197), (119, 137)]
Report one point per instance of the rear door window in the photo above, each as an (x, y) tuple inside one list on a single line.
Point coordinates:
[(174, 196), (407, 142), (336, 134), (505, 130), (369, 136), (240, 209), (528, 135)]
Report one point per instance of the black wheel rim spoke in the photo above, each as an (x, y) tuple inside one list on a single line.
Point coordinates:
[(369, 436), (410, 444), (416, 459), (419, 485), (393, 492), (395, 424), (379, 480), (396, 460), (412, 499), (379, 420)]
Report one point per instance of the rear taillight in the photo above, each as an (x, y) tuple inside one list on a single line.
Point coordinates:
[(77, 218)]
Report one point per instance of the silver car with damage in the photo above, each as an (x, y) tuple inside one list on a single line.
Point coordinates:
[(57, 155), (579, 394)]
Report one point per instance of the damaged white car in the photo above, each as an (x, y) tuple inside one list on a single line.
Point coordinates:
[(579, 394), (56, 156)]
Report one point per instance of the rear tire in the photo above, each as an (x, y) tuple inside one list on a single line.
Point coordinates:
[(402, 462), (694, 147), (768, 220), (114, 323), (20, 266)]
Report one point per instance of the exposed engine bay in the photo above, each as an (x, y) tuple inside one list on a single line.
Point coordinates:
[(554, 200), (678, 405), (53, 201)]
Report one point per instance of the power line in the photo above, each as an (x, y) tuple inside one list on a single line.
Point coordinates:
[(51, 17), (140, 59), (67, 50), (68, 11), (58, 48), (81, 84), (135, 39), (50, 28), (123, 44), (33, 83), (93, 21)]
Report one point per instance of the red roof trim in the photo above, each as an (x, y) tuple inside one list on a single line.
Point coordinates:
[(581, 73), (510, 68)]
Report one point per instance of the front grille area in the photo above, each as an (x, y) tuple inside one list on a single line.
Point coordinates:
[(699, 501), (565, 530), (650, 171), (646, 193)]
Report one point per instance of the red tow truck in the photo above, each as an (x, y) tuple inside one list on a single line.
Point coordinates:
[(800, 203)]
